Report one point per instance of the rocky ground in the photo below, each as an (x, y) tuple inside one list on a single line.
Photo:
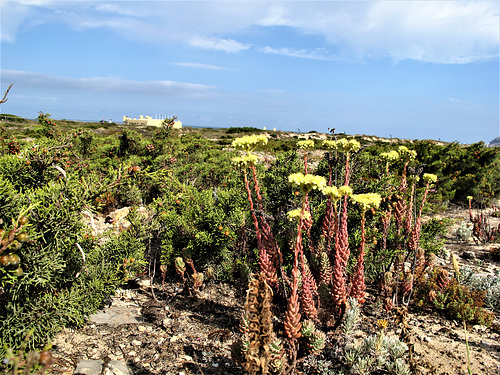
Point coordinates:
[(162, 331)]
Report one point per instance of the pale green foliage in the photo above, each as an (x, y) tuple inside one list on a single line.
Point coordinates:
[(489, 283), (379, 352)]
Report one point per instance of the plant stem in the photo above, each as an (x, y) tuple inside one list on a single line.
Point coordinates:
[(467, 346)]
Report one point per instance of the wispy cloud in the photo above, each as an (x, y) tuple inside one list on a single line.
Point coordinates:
[(105, 84), (199, 66), (226, 45), (448, 32), (319, 54)]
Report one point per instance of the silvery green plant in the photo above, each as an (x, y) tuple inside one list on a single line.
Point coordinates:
[(377, 353), (352, 317), (488, 283), (464, 232)]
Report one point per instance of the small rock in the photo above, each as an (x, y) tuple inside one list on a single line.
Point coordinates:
[(114, 357), (174, 339), (117, 368), (479, 328), (132, 353), (89, 367), (136, 343), (188, 358), (166, 322), (469, 255), (141, 328)]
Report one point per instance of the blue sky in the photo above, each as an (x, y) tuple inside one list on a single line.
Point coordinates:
[(406, 69)]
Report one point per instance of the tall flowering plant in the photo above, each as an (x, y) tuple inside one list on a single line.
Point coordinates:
[(318, 285)]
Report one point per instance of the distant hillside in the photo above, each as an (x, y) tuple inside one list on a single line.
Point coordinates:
[(495, 142)]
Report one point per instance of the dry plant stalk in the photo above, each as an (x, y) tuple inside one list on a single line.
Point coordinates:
[(259, 356)]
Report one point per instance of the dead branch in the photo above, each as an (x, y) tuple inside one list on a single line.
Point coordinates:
[(4, 99)]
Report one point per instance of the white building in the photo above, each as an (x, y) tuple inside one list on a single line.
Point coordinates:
[(148, 121)]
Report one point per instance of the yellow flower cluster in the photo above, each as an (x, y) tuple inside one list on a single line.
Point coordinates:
[(305, 144), (244, 161), (343, 145), (295, 215), (336, 193), (307, 182), (250, 142), (469, 197), (406, 152), (368, 200), (345, 190), (332, 192), (429, 177), (391, 155)]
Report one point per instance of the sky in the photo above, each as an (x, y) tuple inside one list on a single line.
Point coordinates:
[(403, 69)]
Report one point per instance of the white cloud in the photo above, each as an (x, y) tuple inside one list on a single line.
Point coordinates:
[(226, 45), (432, 31), (199, 66), (318, 54), (25, 79)]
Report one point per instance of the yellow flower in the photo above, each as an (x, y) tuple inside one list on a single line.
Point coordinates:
[(295, 215), (345, 190), (307, 144), (332, 192), (250, 142), (244, 161), (368, 200), (469, 197), (429, 177), (307, 182), (391, 155), (329, 144), (406, 152), (343, 145)]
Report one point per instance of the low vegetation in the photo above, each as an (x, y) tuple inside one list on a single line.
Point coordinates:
[(308, 233)]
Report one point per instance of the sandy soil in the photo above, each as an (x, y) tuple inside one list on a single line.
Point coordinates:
[(182, 334)]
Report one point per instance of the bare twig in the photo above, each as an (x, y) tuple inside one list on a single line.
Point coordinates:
[(83, 256), (4, 99)]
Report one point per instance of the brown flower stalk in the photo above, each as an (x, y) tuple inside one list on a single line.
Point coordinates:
[(358, 284), (292, 315), (266, 266), (386, 220), (401, 201)]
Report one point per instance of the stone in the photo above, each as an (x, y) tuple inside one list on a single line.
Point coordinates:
[(469, 255), (117, 315), (89, 367), (136, 343), (117, 368), (141, 328)]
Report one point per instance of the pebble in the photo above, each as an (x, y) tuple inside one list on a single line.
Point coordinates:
[(141, 328), (166, 322), (469, 255), (89, 367), (117, 368), (136, 343)]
